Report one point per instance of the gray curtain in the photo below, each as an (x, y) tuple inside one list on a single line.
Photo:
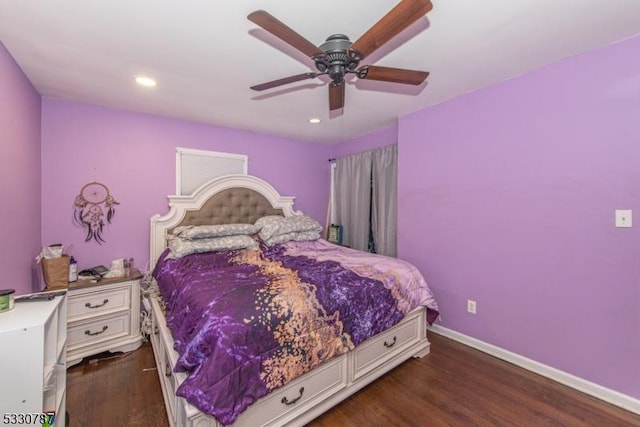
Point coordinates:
[(353, 198), (384, 203)]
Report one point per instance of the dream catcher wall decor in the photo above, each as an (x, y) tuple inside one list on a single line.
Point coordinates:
[(90, 206)]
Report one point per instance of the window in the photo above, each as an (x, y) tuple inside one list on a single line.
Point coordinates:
[(195, 167)]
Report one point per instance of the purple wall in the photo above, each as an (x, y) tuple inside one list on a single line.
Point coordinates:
[(19, 176), (134, 155), (518, 184), (370, 141)]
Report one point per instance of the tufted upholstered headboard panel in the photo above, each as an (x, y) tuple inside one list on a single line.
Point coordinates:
[(231, 206)]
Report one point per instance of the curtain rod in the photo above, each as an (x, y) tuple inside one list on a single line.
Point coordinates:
[(366, 151)]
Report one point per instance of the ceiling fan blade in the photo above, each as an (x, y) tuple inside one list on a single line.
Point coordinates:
[(336, 96), (284, 33), (395, 75), (284, 81), (395, 21)]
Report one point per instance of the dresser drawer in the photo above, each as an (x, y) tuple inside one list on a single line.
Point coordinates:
[(377, 350), (102, 329), (98, 302), (277, 407)]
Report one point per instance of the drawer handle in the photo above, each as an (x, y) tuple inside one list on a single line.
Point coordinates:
[(88, 332), (156, 331), (291, 402), (167, 371), (88, 305), (386, 344)]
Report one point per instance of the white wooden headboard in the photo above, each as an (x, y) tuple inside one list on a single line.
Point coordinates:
[(248, 206)]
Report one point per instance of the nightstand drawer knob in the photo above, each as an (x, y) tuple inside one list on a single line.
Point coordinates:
[(88, 332), (88, 305)]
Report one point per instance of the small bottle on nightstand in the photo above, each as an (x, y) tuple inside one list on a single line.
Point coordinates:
[(128, 266), (73, 270)]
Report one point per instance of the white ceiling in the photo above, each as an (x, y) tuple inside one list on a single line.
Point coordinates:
[(205, 54)]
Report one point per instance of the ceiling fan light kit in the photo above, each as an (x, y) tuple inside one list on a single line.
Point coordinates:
[(338, 56)]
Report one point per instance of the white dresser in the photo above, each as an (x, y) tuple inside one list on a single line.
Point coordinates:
[(33, 339), (103, 316)]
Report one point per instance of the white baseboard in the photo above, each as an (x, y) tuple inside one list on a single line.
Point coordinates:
[(611, 396)]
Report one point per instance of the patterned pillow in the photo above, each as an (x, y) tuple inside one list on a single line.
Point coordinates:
[(271, 226), (182, 247), (302, 236), (205, 231), (268, 225)]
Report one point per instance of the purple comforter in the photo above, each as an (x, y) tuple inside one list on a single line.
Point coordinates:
[(247, 322)]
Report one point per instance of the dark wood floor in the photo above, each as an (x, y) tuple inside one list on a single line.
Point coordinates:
[(453, 386), (120, 390)]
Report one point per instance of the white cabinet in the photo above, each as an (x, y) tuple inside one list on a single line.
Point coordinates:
[(33, 340), (103, 316)]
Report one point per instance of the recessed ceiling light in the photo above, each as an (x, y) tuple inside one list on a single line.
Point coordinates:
[(145, 81), (314, 120)]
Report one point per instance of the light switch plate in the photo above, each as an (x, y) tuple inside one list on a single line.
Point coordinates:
[(623, 218)]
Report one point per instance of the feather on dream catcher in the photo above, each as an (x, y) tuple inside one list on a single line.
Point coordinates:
[(91, 203)]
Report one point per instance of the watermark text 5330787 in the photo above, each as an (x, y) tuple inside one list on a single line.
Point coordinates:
[(43, 419)]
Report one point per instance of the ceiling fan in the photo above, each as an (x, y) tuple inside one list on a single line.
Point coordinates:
[(338, 56)]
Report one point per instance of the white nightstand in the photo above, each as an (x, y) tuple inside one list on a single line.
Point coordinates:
[(103, 316)]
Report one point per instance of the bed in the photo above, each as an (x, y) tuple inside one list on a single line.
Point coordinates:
[(347, 354)]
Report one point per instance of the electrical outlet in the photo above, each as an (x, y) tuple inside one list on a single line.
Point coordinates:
[(623, 218), (471, 306)]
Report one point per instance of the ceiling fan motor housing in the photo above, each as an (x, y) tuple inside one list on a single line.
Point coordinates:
[(338, 59)]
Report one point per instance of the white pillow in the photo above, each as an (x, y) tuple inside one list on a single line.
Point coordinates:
[(268, 225), (182, 247), (220, 230), (302, 236), (273, 225)]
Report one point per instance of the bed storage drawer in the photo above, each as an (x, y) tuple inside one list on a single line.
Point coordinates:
[(97, 303), (379, 349), (284, 404), (89, 333)]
